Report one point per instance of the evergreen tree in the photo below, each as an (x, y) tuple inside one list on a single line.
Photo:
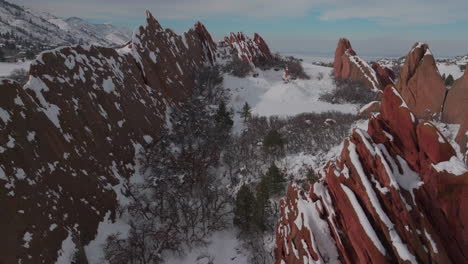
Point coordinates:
[(245, 113), (261, 204), (244, 208), (273, 142), (276, 179), (2, 56), (223, 118), (449, 81)]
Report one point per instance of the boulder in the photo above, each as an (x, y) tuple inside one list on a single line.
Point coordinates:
[(366, 111), (397, 194), (420, 83)]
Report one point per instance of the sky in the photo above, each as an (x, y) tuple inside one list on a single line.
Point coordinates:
[(375, 28)]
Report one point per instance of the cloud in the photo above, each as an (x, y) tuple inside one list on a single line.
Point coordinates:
[(401, 12), (383, 12)]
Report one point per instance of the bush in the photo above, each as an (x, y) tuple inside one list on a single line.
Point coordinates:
[(462, 67), (348, 91), (449, 80), (238, 67), (296, 70), (276, 61)]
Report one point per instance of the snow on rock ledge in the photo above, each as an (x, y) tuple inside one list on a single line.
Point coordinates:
[(393, 196)]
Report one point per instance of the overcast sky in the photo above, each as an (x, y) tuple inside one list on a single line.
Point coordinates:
[(386, 28)]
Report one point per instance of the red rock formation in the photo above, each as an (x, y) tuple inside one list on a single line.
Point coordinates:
[(420, 83), (209, 46), (69, 137), (369, 109), (456, 103), (348, 65), (251, 51), (462, 138), (384, 74), (396, 194)]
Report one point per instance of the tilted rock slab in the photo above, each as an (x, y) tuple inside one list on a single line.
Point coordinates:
[(397, 194)]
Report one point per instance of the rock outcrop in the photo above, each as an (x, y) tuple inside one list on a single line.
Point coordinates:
[(456, 102), (251, 51), (420, 83), (396, 194), (347, 65), (69, 137), (385, 75)]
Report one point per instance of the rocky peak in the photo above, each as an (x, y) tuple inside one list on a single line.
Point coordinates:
[(420, 83), (251, 51), (396, 194), (209, 46), (347, 65), (455, 106)]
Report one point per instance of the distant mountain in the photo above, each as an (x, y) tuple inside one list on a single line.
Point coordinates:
[(37, 31)]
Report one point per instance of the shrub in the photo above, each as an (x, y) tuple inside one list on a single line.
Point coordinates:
[(238, 67), (348, 91), (449, 80), (296, 70), (462, 67)]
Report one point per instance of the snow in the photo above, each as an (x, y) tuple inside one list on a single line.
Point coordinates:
[(401, 248), (268, 95), (4, 115), (108, 85), (67, 251), (364, 220), (322, 241), (448, 68), (7, 68), (453, 166), (106, 228), (27, 237), (153, 57), (433, 244), (52, 111)]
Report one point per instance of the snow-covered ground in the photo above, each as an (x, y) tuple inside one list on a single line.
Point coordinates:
[(269, 95), (453, 69), (7, 68)]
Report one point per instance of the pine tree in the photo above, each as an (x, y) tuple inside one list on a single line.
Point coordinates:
[(273, 143), (244, 208), (223, 118), (245, 113), (449, 81), (2, 56), (261, 204), (276, 180)]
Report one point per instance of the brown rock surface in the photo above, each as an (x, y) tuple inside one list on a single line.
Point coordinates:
[(456, 102), (69, 137), (396, 194), (384, 74), (420, 83)]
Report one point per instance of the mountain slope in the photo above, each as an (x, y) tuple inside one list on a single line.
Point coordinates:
[(45, 29)]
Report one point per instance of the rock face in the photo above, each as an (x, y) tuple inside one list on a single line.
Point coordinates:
[(420, 83), (69, 137), (348, 65), (456, 103), (396, 194), (385, 75), (251, 51)]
